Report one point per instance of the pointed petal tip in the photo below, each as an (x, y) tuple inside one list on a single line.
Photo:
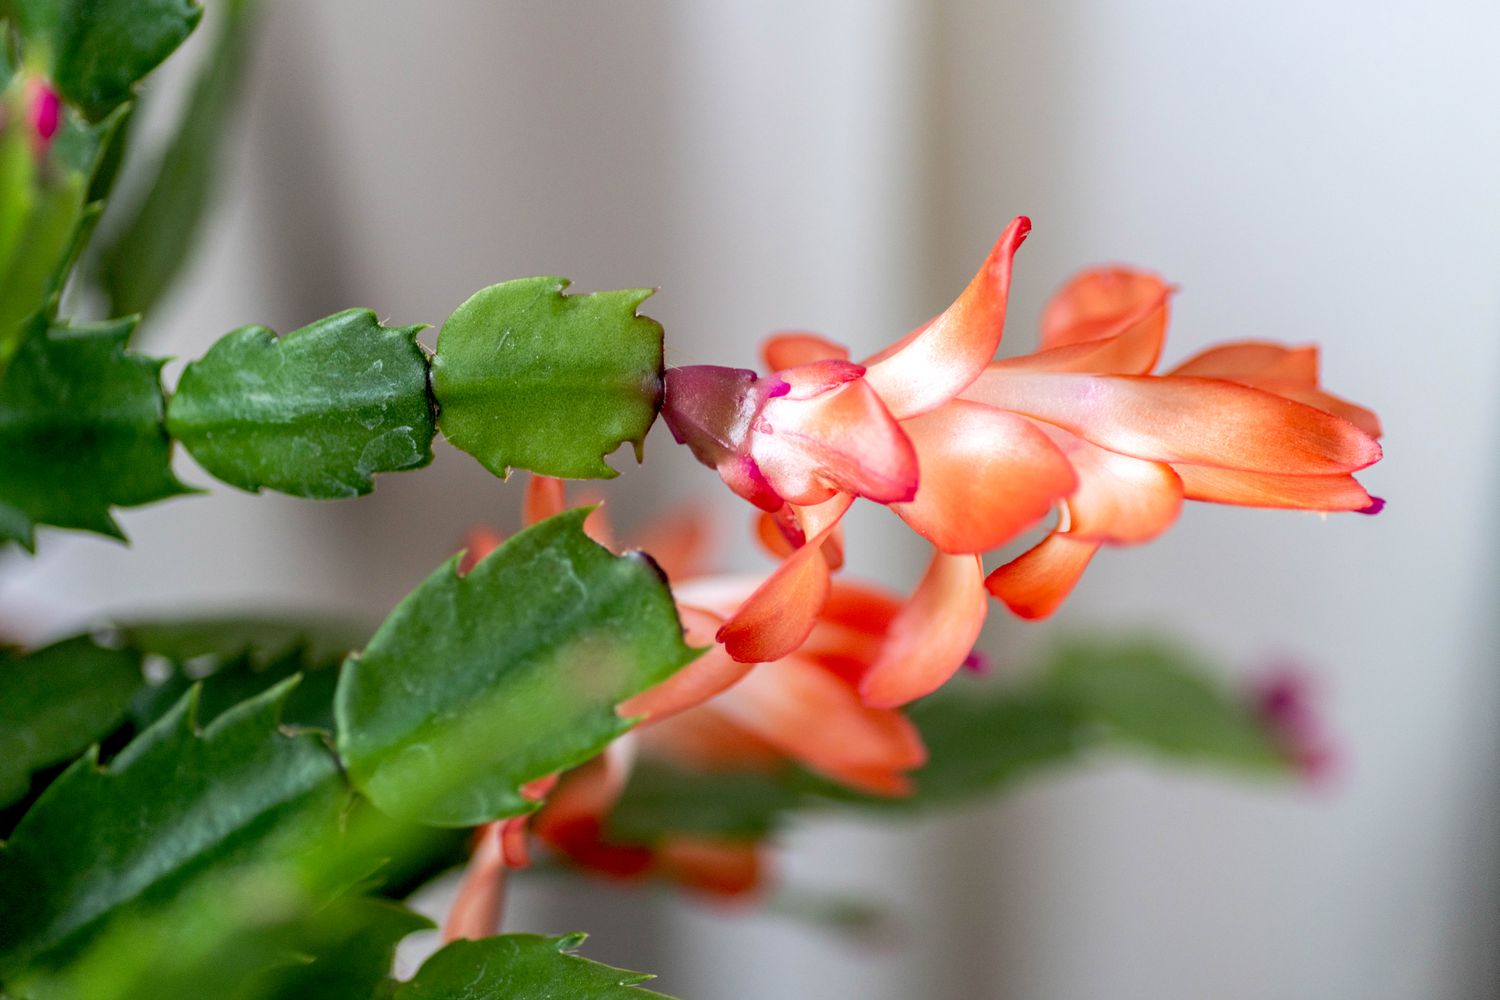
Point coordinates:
[(1377, 504)]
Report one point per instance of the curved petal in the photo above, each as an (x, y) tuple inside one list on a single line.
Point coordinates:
[(1119, 499), (778, 616), (1359, 416), (1258, 489), (711, 864), (1185, 419), (932, 367), (1254, 359), (545, 497), (778, 532), (1131, 346), (932, 636), (1098, 303), (1035, 583), (815, 718), (695, 683), (986, 476), (850, 633), (791, 348), (841, 440)]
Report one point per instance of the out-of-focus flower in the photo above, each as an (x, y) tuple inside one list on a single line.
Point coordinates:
[(971, 452), (1284, 700)]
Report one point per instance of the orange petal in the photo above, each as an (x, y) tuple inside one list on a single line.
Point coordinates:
[(850, 633), (1258, 489), (1119, 499), (479, 903), (1185, 419), (778, 531), (1034, 584), (1098, 303), (478, 543), (986, 475), (705, 740), (933, 634), (781, 612), (695, 683), (839, 440), (708, 864), (678, 542), (928, 369), (795, 347), (544, 498), (814, 717), (1254, 359), (586, 794), (1359, 416), (1129, 347)]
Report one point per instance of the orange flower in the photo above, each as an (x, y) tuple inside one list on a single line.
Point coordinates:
[(971, 452)]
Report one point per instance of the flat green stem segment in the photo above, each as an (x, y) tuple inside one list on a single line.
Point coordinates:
[(520, 967), (529, 378), (314, 413), (96, 50), (56, 701), (477, 684), (104, 846), (80, 431)]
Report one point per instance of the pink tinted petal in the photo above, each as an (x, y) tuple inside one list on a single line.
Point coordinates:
[(795, 347), (1034, 584), (1258, 489), (544, 498), (1249, 359), (1119, 499), (986, 476), (842, 440), (933, 366), (710, 673), (1129, 347), (1099, 303), (778, 616), (1185, 419), (479, 903), (810, 715), (932, 636), (812, 379)]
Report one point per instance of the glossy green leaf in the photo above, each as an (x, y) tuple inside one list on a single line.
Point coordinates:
[(96, 50), (477, 684), (529, 378), (57, 701), (140, 262), (102, 847), (1159, 697), (225, 683), (80, 432), (314, 413), (520, 967)]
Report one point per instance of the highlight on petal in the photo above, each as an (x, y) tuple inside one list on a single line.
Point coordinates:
[(931, 367), (791, 348), (709, 674), (814, 717), (986, 476), (545, 497), (1035, 584), (1119, 499), (1259, 489), (932, 636), (1184, 419), (1098, 303), (778, 616), (841, 440)]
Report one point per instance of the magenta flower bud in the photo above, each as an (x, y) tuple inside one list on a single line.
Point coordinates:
[(44, 111)]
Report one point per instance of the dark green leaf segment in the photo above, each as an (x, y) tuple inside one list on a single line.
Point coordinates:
[(467, 692), (521, 967), (314, 413)]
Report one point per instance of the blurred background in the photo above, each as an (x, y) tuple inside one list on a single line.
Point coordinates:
[(1306, 172)]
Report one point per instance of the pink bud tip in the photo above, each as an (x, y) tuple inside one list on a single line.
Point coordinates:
[(977, 663), (46, 111), (1284, 701), (1377, 504)]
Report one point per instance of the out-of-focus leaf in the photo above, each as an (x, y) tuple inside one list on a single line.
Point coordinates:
[(477, 684), (347, 959), (313, 413), (260, 639), (80, 432), (102, 847), (139, 264), (529, 378), (96, 50), (1157, 696), (225, 683), (661, 800), (57, 701), (520, 967)]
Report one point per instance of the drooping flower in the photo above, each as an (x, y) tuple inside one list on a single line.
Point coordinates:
[(1081, 427)]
